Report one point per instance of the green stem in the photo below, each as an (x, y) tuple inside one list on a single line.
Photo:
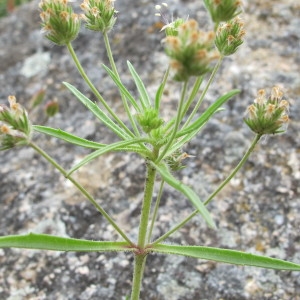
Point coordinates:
[(146, 207), (114, 69), (110, 55), (81, 189), (154, 217), (193, 94), (210, 80), (94, 90), (220, 187), (177, 122), (140, 256), (138, 272), (236, 169)]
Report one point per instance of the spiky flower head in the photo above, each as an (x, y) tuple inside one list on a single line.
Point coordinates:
[(230, 36), (191, 51), (15, 127), (268, 115), (59, 22), (99, 14), (223, 10)]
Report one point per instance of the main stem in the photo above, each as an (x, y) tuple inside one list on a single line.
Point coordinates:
[(140, 256)]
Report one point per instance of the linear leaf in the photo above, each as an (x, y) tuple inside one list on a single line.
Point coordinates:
[(50, 242), (185, 190), (122, 88), (120, 146), (98, 112), (227, 256), (207, 114), (160, 90), (68, 137), (140, 86)]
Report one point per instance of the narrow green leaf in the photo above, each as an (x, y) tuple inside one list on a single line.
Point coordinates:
[(207, 114), (122, 88), (185, 190), (98, 112), (68, 137), (193, 94), (227, 256), (120, 146), (158, 95), (140, 86), (160, 90), (56, 243)]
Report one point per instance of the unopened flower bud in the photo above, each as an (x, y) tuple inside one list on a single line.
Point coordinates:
[(174, 161), (149, 120), (52, 108)]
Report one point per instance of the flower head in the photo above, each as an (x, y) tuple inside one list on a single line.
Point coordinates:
[(190, 50), (15, 127), (59, 23), (229, 36), (223, 10), (99, 14), (268, 115)]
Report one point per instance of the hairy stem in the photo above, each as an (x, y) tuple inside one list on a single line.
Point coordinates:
[(146, 207), (138, 272), (140, 256)]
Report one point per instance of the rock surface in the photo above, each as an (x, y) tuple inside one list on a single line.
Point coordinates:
[(258, 211)]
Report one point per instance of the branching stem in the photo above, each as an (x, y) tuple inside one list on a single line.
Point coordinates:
[(220, 187), (81, 189)]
